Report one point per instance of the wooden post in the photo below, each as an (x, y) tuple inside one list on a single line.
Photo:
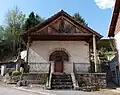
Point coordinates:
[(28, 45), (94, 51), (19, 56), (3, 70)]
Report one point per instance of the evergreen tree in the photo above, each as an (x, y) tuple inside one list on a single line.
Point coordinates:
[(32, 20), (78, 18)]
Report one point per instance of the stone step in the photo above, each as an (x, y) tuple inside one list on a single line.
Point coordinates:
[(60, 74), (62, 83), (61, 80), (62, 77), (62, 87)]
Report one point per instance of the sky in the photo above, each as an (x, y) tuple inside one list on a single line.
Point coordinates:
[(97, 13)]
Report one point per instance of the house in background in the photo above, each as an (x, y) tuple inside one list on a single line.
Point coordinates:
[(114, 73), (60, 46), (10, 64), (114, 31)]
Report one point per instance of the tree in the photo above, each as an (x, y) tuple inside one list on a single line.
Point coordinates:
[(14, 21), (105, 50), (5, 42), (32, 20), (78, 18)]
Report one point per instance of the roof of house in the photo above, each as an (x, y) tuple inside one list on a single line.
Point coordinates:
[(114, 19), (63, 13)]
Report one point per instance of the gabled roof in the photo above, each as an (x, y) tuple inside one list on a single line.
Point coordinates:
[(114, 19), (61, 13)]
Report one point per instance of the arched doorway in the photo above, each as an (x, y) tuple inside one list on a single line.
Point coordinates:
[(58, 57)]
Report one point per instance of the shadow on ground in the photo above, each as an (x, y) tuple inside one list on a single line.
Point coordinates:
[(111, 85)]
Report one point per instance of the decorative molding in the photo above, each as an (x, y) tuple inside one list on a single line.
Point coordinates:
[(81, 67), (39, 67), (81, 63), (58, 49)]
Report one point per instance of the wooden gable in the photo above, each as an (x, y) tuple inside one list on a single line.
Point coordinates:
[(61, 24)]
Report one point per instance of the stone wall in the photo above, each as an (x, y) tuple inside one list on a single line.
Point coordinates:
[(35, 78), (31, 78), (91, 79), (39, 67)]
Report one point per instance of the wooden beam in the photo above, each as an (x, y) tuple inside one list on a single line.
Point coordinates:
[(28, 44), (94, 50), (90, 40), (49, 24), (27, 56), (53, 28), (73, 24), (64, 34)]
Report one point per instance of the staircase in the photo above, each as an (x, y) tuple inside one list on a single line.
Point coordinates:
[(61, 81)]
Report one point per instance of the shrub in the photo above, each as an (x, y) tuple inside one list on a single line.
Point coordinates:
[(16, 73), (10, 72), (15, 79)]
